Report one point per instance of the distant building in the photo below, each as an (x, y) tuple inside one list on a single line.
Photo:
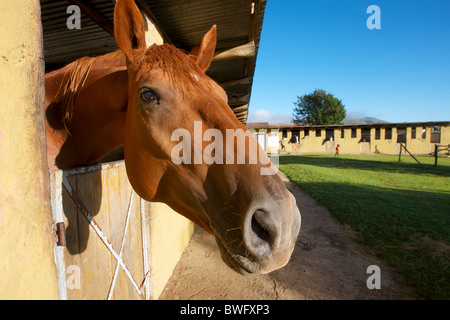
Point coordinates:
[(418, 137)]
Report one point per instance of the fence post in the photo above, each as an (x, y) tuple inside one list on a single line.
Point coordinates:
[(400, 153), (436, 153)]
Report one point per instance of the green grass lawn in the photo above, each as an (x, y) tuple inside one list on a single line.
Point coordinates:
[(398, 209)]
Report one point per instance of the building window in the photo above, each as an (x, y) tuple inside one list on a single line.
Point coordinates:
[(329, 134), (435, 134), (318, 132), (342, 134), (401, 135), (294, 136), (306, 133), (284, 134), (424, 132), (353, 132), (377, 133), (413, 132), (388, 134)]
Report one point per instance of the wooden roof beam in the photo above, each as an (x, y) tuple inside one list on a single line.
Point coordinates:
[(237, 82), (244, 51), (153, 31), (239, 109), (88, 10), (239, 100)]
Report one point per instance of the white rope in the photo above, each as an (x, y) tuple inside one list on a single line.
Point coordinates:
[(113, 283)]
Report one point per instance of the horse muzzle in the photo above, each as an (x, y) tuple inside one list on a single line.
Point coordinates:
[(269, 233)]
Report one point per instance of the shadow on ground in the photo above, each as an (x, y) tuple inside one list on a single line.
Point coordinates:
[(327, 263)]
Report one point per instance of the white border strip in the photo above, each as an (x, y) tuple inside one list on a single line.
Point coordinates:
[(57, 215), (148, 286)]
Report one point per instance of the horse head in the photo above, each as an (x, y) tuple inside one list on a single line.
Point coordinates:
[(185, 147)]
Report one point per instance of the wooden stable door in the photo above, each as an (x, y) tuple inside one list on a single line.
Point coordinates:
[(104, 250)]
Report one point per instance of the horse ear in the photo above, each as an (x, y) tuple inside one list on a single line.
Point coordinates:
[(205, 50), (129, 28)]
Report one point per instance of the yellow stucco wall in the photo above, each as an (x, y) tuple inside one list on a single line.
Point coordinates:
[(152, 36), (27, 269), (170, 232), (383, 145), (419, 145), (445, 135)]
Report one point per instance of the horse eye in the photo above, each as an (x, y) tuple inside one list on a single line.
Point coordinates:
[(148, 96)]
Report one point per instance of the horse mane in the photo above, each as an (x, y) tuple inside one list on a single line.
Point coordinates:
[(74, 79)]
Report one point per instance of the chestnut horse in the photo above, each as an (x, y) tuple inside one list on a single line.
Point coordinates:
[(86, 105), (139, 97)]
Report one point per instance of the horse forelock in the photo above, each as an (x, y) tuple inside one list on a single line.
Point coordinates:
[(181, 68)]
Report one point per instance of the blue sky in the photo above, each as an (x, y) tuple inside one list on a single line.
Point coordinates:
[(399, 73)]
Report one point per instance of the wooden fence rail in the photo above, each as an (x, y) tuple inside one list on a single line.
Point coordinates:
[(400, 154)]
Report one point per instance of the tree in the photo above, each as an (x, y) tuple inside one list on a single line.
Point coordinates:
[(319, 108)]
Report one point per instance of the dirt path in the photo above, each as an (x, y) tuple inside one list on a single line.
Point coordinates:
[(326, 264)]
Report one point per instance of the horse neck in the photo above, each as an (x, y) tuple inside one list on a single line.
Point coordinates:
[(85, 120)]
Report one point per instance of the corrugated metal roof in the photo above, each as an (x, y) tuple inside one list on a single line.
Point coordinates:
[(62, 45), (184, 22)]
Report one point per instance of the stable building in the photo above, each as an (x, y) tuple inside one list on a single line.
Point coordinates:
[(420, 138)]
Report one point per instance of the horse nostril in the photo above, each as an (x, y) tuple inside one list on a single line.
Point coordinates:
[(260, 226), (263, 234)]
